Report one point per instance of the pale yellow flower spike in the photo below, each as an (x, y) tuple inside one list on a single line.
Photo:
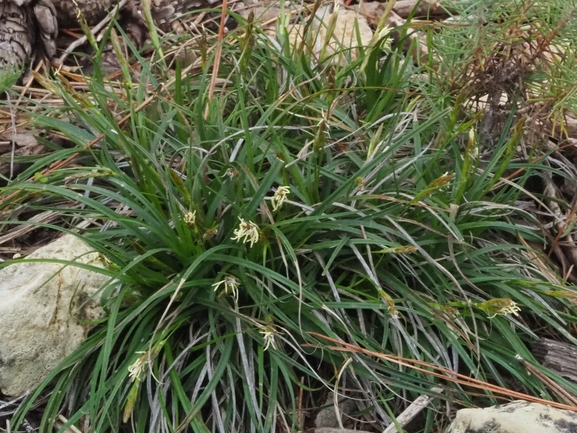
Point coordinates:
[(190, 219), (279, 197), (135, 370), (247, 231), (268, 332), (231, 285), (512, 308), (499, 306)]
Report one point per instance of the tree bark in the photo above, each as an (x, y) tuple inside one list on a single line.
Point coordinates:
[(557, 356)]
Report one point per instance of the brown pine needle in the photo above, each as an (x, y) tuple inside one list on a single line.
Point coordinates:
[(442, 373), (217, 57)]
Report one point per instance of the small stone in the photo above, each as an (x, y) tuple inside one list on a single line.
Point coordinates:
[(515, 417)]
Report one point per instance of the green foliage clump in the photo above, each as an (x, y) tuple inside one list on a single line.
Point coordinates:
[(358, 202)]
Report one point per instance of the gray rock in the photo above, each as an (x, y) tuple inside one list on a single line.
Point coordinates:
[(515, 417), (328, 416), (46, 311)]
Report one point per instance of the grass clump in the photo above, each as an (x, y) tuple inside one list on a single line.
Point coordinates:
[(304, 200)]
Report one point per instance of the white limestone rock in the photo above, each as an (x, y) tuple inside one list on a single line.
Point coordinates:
[(336, 35), (45, 312), (514, 417)]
